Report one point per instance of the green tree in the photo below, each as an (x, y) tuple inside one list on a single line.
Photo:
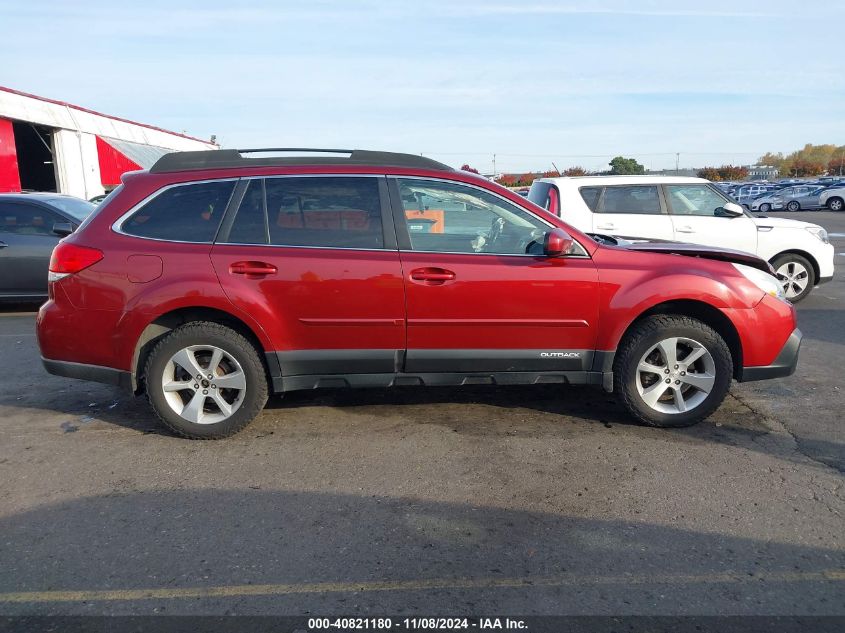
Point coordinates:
[(625, 166)]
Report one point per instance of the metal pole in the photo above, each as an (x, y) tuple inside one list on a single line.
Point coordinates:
[(494, 166), (677, 163)]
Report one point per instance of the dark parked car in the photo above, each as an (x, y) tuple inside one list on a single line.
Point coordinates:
[(31, 224)]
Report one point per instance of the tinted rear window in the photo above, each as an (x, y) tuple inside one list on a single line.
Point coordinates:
[(184, 213), (591, 196), (335, 212)]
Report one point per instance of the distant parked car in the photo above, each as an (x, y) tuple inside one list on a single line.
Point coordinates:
[(745, 194), (31, 224), (833, 198), (798, 198)]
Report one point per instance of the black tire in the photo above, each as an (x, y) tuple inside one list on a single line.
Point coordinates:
[(835, 204), (793, 205), (765, 207), (205, 333), (788, 258), (644, 336)]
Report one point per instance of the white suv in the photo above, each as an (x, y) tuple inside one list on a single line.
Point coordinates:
[(689, 210)]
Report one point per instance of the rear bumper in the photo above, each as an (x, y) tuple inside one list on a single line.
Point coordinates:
[(94, 373), (784, 364)]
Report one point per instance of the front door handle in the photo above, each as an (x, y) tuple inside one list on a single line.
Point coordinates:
[(432, 276), (685, 229), (253, 270), (606, 227)]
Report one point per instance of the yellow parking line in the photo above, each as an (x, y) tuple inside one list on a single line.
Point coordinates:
[(230, 591)]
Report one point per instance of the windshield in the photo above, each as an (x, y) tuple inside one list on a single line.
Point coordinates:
[(79, 209)]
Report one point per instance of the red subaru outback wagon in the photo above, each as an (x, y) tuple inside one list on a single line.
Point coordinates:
[(217, 278)]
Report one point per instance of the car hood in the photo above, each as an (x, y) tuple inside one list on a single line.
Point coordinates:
[(704, 252), (782, 223)]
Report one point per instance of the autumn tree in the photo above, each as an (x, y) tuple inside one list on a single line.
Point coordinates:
[(625, 166), (802, 167), (709, 173), (730, 172), (725, 172), (575, 171), (836, 165), (466, 167)]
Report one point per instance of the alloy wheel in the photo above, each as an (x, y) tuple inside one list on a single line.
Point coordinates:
[(794, 278), (675, 375), (203, 384)]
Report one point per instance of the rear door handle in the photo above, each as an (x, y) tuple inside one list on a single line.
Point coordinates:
[(432, 276), (3, 245), (253, 270), (609, 226), (685, 229)]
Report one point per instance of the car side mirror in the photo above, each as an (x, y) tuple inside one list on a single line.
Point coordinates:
[(730, 210), (62, 229), (556, 243)]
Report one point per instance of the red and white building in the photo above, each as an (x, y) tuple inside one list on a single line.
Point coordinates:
[(48, 145)]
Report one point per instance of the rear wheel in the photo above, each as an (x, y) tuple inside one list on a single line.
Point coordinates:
[(793, 205), (672, 371), (795, 274), (835, 204), (205, 381)]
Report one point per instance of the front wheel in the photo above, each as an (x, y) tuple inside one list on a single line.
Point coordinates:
[(765, 207), (205, 381), (835, 204), (796, 275), (672, 371), (793, 206)]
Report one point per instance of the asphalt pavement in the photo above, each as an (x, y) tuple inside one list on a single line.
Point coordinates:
[(537, 500)]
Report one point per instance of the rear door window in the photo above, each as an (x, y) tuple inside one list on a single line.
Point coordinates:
[(182, 213), (329, 212), (631, 199)]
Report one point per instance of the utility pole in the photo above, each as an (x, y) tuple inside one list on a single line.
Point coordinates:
[(494, 166), (677, 163)]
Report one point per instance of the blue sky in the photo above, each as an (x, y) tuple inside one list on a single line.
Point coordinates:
[(573, 83)]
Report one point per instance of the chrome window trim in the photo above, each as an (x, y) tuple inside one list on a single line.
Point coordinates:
[(117, 225), (389, 250), (319, 248)]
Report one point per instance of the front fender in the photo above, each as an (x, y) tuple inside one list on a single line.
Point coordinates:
[(630, 286)]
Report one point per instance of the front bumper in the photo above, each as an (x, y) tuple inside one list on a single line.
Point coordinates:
[(784, 364)]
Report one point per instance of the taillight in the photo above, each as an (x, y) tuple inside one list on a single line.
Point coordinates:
[(68, 259)]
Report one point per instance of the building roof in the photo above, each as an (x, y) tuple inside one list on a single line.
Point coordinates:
[(64, 104)]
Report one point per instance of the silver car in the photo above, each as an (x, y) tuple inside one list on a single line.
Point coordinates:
[(746, 194), (795, 198)]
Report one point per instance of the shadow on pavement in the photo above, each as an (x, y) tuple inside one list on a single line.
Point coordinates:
[(392, 556)]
